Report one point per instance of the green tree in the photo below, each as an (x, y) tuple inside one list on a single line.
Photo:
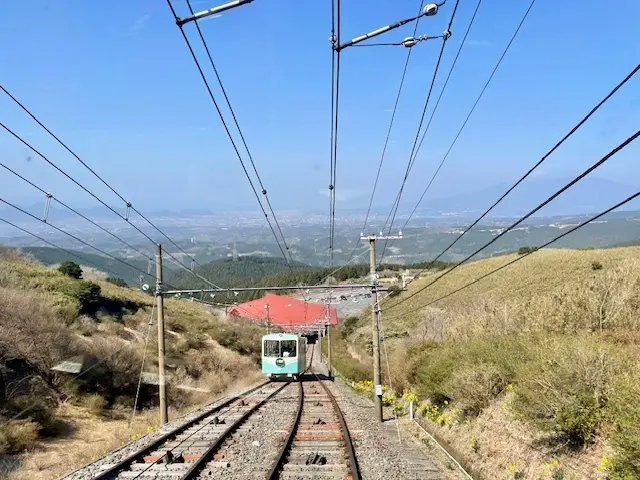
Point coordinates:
[(70, 269), (394, 290)]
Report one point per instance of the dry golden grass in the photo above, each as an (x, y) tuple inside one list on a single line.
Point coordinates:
[(530, 287), (495, 446), (40, 323)]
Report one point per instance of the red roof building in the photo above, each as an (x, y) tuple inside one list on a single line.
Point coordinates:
[(285, 312)]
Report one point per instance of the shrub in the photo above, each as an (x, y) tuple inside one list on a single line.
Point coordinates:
[(565, 389), (526, 250), (394, 290), (473, 387), (70, 269), (596, 266), (625, 417), (117, 281), (95, 404), (348, 326), (33, 408), (17, 436)]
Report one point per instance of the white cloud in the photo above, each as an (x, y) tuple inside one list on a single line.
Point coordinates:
[(140, 24)]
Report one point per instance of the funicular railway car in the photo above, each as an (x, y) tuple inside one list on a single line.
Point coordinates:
[(284, 355)]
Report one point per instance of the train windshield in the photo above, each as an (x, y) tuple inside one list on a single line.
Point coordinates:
[(271, 348), (288, 348)]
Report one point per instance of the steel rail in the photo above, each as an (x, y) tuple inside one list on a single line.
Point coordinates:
[(276, 468), (353, 461), (199, 464), (113, 471)]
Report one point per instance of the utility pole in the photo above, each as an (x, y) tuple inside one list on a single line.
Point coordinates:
[(375, 318), (268, 317), (162, 387)]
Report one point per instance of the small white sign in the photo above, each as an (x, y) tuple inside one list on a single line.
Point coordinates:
[(379, 390)]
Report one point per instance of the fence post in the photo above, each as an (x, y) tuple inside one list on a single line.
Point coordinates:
[(411, 410)]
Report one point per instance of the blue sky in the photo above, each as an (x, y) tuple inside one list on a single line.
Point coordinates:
[(115, 80)]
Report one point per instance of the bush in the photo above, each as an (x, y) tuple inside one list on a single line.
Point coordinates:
[(625, 417), (596, 266), (526, 250), (474, 387), (117, 281), (34, 409), (17, 436), (565, 388), (70, 269), (394, 290), (348, 326), (95, 404)]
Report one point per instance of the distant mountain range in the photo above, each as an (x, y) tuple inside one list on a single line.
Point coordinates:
[(590, 195)]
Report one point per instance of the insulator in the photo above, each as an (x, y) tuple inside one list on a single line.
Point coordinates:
[(409, 42), (47, 205), (128, 212), (430, 10), (264, 192), (330, 187), (446, 35)]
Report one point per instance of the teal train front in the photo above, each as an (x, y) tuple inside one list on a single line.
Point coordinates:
[(283, 355)]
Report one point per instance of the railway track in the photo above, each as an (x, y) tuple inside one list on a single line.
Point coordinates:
[(318, 445), (182, 452)]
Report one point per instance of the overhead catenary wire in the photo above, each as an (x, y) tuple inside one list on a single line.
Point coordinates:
[(226, 127), (389, 129), (335, 109), (76, 182), (568, 135), (480, 95), (121, 197), (394, 208), (68, 252), (597, 164), (77, 157), (521, 257), (76, 238), (71, 209), (244, 142)]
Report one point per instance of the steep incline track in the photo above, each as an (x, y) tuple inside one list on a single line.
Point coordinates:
[(318, 445)]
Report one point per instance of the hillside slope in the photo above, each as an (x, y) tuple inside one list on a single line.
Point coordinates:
[(47, 318), (532, 372)]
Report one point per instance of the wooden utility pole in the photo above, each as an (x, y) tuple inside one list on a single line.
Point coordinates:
[(162, 386), (375, 319)]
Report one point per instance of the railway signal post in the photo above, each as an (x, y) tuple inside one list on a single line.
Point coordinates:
[(162, 386), (375, 317)]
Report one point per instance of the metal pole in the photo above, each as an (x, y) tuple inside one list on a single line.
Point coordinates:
[(162, 387), (329, 344), (377, 380)]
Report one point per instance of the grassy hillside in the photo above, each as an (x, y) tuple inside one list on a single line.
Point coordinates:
[(47, 317), (532, 372), (53, 256)]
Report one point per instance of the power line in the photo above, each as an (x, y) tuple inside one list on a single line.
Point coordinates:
[(415, 142), (102, 202), (393, 116), (224, 123), (484, 88), (68, 252), (77, 157), (335, 97), (75, 238), (522, 219), (244, 142), (49, 195), (609, 210), (534, 167)]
